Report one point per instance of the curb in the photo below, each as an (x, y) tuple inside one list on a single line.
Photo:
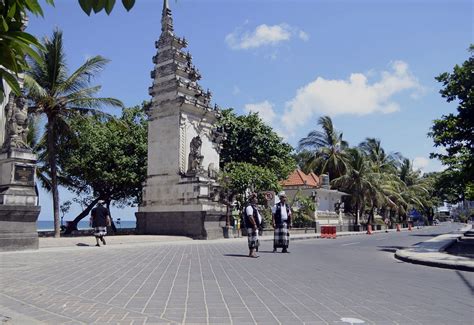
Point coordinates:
[(434, 263), (431, 253)]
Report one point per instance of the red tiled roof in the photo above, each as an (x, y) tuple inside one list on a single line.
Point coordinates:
[(298, 178), (315, 178)]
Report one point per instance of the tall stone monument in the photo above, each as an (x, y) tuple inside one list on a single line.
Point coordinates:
[(180, 196), (19, 208)]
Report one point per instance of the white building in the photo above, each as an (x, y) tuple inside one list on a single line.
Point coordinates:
[(325, 199)]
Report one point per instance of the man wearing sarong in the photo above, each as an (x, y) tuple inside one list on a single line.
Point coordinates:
[(253, 220), (100, 219), (281, 217)]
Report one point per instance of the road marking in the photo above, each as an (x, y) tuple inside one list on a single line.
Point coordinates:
[(351, 243), (352, 320)]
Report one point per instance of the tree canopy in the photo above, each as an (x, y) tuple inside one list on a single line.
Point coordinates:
[(15, 43), (455, 132), (327, 150), (104, 158), (250, 140)]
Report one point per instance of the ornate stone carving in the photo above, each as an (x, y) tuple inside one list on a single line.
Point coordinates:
[(212, 171), (217, 137), (195, 158), (16, 127), (183, 122)]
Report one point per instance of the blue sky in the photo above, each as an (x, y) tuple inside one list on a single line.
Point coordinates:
[(370, 65)]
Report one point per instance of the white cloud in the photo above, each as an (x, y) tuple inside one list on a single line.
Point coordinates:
[(263, 35), (420, 163), (303, 35), (235, 90), (355, 96), (264, 109)]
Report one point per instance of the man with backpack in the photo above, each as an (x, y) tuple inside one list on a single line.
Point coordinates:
[(253, 220), (281, 217)]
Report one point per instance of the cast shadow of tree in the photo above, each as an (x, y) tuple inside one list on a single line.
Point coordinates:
[(390, 249)]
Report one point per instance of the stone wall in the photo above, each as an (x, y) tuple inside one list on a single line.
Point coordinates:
[(194, 224), (18, 227)]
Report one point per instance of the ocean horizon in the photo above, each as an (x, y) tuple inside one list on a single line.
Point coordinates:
[(45, 225)]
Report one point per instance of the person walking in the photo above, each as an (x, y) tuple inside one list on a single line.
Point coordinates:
[(253, 220), (100, 219), (282, 223)]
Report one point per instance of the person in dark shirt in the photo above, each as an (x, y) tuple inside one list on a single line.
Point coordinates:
[(100, 219), (281, 215)]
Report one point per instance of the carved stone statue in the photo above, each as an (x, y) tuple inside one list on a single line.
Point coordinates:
[(218, 136), (195, 158), (16, 127), (212, 171)]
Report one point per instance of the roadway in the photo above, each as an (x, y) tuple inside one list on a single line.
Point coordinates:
[(352, 279)]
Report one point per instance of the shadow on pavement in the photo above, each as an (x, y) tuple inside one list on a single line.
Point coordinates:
[(424, 235), (236, 255), (390, 249), (82, 244), (466, 281)]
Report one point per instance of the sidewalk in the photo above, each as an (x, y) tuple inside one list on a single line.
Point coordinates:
[(123, 240), (431, 253)]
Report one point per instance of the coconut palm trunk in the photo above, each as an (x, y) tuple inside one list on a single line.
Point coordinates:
[(54, 177), (57, 95)]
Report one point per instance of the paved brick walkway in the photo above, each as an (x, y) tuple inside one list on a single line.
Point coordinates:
[(197, 282)]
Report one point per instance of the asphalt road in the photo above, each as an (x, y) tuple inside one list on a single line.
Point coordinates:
[(353, 279)]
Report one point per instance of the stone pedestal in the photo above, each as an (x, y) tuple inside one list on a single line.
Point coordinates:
[(194, 224), (19, 208), (18, 229), (17, 178)]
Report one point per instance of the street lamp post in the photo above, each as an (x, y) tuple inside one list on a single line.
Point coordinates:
[(315, 197)]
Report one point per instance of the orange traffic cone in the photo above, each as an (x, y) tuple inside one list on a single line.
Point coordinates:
[(409, 226), (369, 230), (398, 227)]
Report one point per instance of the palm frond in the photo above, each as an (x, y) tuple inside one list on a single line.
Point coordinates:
[(82, 77)]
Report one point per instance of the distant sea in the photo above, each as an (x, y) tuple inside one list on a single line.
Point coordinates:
[(84, 224)]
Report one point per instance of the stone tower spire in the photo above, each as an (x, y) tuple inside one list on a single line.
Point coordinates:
[(166, 18), (181, 194), (174, 75)]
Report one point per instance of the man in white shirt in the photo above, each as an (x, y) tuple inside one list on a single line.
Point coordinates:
[(281, 217), (253, 219)]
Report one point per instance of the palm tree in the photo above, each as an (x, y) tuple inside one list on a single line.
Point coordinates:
[(384, 167), (415, 190), (329, 150), (57, 95), (381, 162), (359, 181)]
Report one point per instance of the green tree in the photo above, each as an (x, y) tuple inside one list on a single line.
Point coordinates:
[(414, 191), (104, 158), (56, 95), (329, 150), (455, 132), (385, 194), (380, 161), (15, 43), (250, 140), (108, 5), (356, 181), (239, 177)]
